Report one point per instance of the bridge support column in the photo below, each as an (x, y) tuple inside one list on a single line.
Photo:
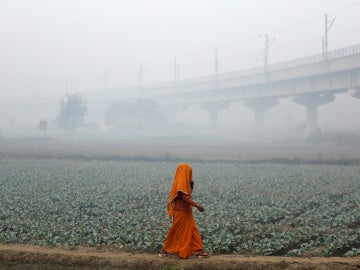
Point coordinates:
[(354, 92), (213, 109), (312, 101), (259, 105)]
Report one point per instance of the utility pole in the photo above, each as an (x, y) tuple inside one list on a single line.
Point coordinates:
[(141, 72), (175, 73), (105, 80), (178, 73), (71, 83), (328, 25), (266, 51), (216, 68)]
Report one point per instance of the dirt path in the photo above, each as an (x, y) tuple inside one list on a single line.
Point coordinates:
[(34, 257)]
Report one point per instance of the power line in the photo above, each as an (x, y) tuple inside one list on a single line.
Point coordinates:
[(300, 23), (288, 28), (354, 4)]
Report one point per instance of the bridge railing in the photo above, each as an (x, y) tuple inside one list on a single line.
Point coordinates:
[(308, 60), (343, 52), (313, 59), (317, 58)]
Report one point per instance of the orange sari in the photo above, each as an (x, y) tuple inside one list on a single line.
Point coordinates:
[(183, 237)]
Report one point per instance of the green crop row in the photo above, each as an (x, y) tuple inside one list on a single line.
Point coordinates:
[(267, 209)]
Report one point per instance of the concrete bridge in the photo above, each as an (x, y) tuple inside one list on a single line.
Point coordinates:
[(310, 81)]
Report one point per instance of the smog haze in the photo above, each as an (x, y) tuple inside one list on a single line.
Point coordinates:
[(110, 51)]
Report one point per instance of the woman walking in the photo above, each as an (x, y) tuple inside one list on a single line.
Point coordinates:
[(183, 237)]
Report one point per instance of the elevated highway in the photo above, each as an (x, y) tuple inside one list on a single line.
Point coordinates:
[(310, 81)]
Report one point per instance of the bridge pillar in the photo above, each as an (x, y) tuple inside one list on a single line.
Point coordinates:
[(213, 109), (312, 101), (354, 92), (259, 105)]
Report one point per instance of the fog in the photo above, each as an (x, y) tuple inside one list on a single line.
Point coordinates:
[(110, 51)]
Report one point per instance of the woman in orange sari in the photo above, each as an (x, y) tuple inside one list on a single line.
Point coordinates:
[(183, 237)]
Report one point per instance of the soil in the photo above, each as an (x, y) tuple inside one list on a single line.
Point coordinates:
[(18, 256)]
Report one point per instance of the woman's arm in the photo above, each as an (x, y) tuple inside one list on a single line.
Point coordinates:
[(191, 202)]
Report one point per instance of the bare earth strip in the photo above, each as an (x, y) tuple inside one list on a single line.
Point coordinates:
[(35, 257)]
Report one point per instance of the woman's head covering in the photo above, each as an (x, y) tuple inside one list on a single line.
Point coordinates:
[(182, 179)]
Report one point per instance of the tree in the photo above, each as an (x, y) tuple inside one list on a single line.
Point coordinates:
[(147, 112), (73, 108), (141, 113), (120, 114)]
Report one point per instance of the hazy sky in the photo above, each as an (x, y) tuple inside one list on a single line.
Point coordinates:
[(54, 46)]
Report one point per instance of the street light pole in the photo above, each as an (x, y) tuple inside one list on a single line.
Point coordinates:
[(141, 72), (328, 25), (266, 51), (216, 68)]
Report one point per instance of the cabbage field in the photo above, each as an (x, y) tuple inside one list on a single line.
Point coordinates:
[(267, 209)]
